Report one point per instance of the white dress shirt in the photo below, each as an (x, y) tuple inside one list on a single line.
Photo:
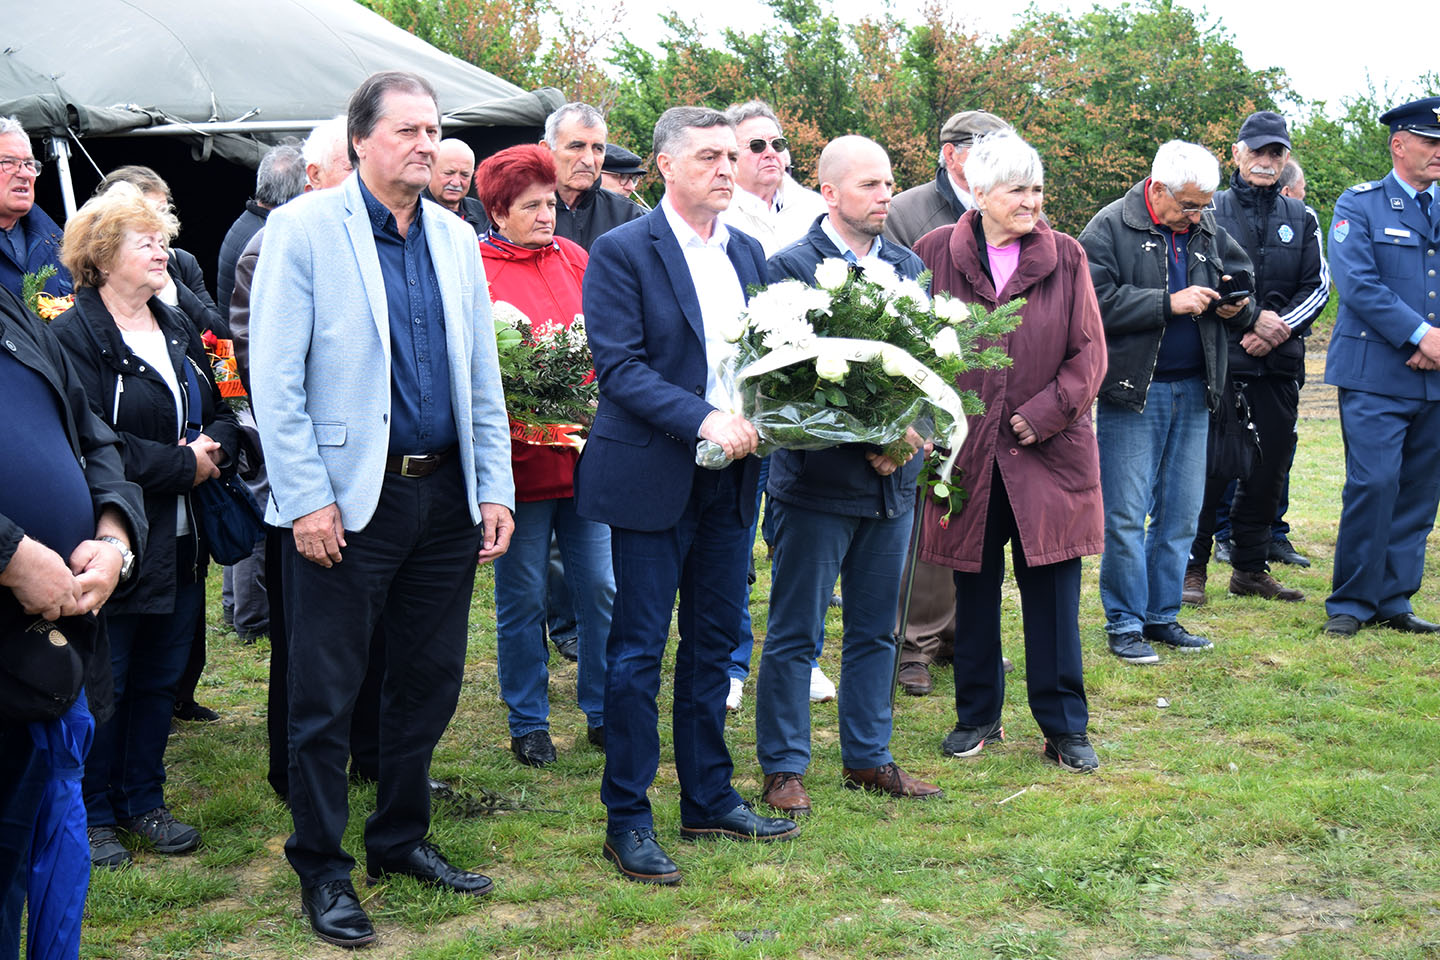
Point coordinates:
[(780, 223), (870, 261), (722, 300)]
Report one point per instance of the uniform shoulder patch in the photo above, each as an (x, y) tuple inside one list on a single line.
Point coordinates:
[(1367, 185)]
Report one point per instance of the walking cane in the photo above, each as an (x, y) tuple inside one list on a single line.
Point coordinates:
[(909, 588)]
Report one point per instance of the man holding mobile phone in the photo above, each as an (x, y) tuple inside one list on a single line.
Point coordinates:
[(1291, 285)]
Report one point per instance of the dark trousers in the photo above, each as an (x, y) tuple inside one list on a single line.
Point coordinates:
[(703, 557), (364, 721), (22, 787), (412, 571), (1050, 607), (1274, 407), (1392, 484), (125, 774)]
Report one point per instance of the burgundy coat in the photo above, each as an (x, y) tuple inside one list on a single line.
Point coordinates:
[(1059, 363)]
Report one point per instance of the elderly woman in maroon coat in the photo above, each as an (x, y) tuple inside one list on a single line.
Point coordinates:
[(1031, 464)]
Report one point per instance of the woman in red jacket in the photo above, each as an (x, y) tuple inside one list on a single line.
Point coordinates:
[(539, 274), (1031, 463)]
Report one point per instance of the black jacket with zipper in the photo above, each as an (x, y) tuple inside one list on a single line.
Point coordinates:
[(1129, 267), (134, 400)]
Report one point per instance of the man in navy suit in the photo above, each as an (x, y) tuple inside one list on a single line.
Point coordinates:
[(1385, 358), (661, 295)]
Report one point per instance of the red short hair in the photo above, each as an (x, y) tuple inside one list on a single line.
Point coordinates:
[(507, 174)]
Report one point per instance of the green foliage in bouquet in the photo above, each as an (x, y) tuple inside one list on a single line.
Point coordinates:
[(545, 368), (33, 283)]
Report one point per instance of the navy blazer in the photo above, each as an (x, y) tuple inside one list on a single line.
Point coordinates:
[(648, 339)]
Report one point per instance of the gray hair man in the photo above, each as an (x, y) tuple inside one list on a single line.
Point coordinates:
[(575, 134), (1158, 259), (450, 184), (1266, 363), (1292, 181), (390, 453), (942, 201), (281, 177), (29, 239), (768, 204)]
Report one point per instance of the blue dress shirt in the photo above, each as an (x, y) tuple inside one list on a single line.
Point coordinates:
[(421, 419)]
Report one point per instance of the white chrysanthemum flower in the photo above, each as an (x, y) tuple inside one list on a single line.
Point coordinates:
[(831, 368), (950, 310), (789, 333), (945, 343), (506, 312), (912, 291), (831, 273)]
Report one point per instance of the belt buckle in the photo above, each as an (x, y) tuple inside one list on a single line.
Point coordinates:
[(406, 460)]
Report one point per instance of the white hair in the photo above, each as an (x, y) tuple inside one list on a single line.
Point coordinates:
[(589, 118), (11, 126), (328, 138), (1002, 158), (1178, 163)]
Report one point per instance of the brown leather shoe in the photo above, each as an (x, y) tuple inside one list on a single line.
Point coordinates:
[(1193, 594), (915, 679), (892, 780), (1261, 584), (786, 793)]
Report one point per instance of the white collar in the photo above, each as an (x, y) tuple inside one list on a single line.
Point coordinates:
[(965, 196), (842, 246), (686, 234)]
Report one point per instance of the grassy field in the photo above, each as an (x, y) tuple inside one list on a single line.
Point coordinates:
[(1284, 804)]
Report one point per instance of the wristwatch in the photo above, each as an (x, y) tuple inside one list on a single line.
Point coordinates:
[(127, 558)]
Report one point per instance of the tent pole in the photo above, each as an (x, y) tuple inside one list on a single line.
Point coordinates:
[(60, 147)]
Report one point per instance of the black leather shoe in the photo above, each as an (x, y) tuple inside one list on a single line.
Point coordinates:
[(336, 915), (1408, 623), (569, 648), (1284, 551), (1223, 551), (596, 736), (534, 749), (637, 855), (742, 823), (1342, 625), (428, 865)]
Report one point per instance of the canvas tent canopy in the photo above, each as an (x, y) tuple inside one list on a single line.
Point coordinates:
[(227, 77)]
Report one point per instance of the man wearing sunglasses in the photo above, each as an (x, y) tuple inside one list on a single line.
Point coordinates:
[(29, 240), (768, 204)]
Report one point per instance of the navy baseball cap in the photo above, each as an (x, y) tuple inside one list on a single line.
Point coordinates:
[(1263, 128), (1418, 116), (621, 162)]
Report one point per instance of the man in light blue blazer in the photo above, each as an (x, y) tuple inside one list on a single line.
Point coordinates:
[(378, 400), (660, 295)]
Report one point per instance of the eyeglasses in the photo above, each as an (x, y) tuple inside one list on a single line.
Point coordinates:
[(1188, 210), (779, 144), (11, 164), (628, 179)]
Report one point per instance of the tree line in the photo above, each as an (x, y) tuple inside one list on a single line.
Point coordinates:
[(1095, 92)]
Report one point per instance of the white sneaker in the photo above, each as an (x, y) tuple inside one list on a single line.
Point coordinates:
[(737, 689), (821, 689)]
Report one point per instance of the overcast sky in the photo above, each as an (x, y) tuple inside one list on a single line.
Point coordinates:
[(1269, 34)]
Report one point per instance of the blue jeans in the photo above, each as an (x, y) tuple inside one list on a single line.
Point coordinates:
[(1152, 464), (125, 774), (520, 577), (812, 548), (740, 659)]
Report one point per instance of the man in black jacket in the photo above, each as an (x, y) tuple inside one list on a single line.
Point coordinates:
[(1292, 285), (280, 179), (1157, 259), (575, 134), (56, 559)]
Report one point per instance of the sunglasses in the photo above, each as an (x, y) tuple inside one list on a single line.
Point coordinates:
[(759, 144)]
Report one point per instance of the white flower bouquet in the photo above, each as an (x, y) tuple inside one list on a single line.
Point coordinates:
[(859, 358), (548, 376)]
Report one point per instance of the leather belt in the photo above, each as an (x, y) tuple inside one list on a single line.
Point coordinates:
[(410, 465)]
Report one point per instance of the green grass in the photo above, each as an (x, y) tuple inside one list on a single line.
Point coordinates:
[(1283, 805)]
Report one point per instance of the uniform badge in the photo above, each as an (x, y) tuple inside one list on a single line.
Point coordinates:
[(1397, 203), (1341, 231), (1367, 185), (1286, 233)]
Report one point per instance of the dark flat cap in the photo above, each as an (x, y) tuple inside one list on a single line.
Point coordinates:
[(1418, 116), (620, 161), (968, 125)]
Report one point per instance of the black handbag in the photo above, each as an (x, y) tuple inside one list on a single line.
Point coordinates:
[(42, 665), (229, 518), (1234, 449)]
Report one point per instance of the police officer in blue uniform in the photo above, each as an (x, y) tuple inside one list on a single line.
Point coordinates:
[(1385, 358)]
